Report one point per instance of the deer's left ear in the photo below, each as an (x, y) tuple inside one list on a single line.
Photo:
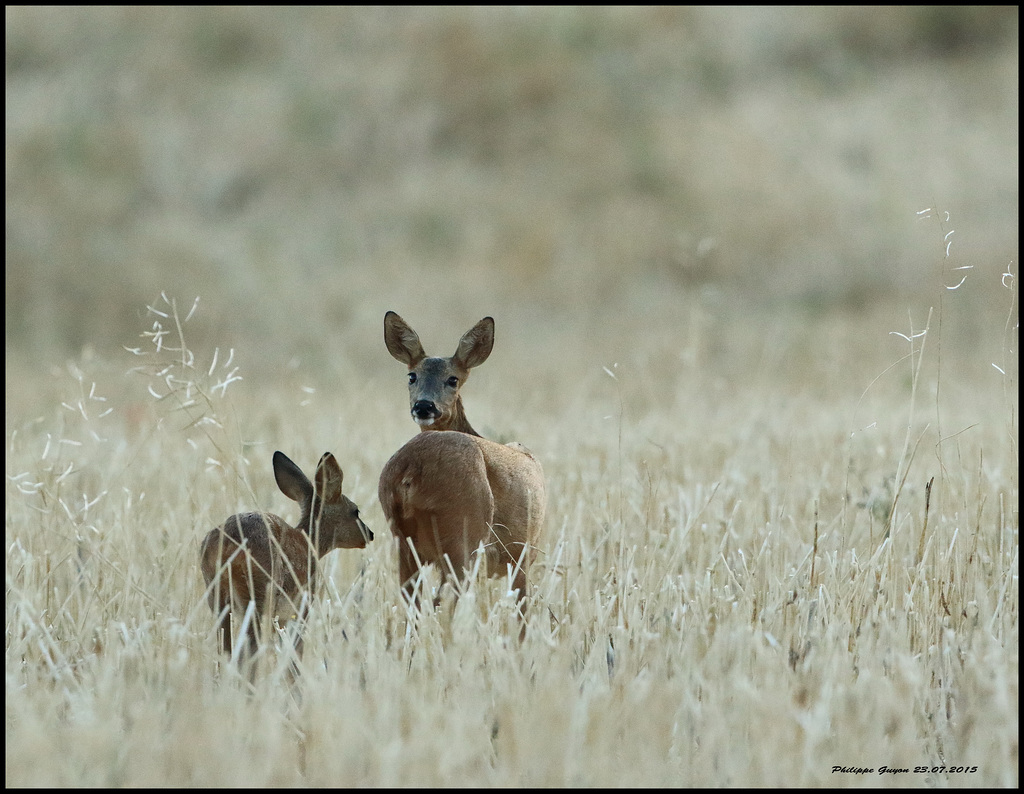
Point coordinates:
[(475, 345)]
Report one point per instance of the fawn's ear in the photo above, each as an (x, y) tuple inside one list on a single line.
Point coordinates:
[(403, 342), (328, 478), (475, 345), (290, 479)]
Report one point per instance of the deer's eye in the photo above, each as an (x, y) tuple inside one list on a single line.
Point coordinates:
[(412, 378), (453, 381)]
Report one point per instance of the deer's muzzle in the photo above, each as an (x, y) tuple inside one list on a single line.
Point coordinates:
[(425, 412)]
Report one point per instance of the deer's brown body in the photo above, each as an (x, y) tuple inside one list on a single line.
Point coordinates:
[(448, 490), (260, 558)]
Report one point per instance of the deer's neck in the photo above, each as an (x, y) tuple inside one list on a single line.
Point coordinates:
[(457, 421), (318, 541)]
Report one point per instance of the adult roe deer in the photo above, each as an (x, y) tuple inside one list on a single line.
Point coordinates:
[(260, 558), (449, 490)]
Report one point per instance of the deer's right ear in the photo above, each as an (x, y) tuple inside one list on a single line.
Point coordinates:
[(403, 343), (329, 478)]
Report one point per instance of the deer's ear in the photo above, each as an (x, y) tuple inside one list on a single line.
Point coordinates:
[(403, 343), (290, 479), (329, 478), (475, 345)]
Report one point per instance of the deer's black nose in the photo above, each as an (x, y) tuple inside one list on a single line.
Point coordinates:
[(425, 409)]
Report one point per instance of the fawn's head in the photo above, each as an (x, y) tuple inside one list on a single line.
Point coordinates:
[(329, 517), (434, 383)]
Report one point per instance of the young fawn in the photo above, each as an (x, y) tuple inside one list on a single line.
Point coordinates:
[(448, 490), (260, 558)]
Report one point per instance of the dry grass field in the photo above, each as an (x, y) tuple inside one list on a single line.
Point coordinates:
[(754, 278)]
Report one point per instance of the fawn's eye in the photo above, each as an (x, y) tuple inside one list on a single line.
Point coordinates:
[(453, 381), (412, 378)]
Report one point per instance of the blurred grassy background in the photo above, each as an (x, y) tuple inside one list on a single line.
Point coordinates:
[(591, 177)]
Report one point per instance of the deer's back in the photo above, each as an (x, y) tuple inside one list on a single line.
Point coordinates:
[(445, 487), (251, 550), (517, 483)]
